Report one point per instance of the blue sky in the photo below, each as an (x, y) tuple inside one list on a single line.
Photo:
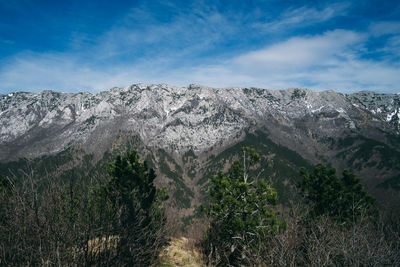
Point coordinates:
[(82, 45)]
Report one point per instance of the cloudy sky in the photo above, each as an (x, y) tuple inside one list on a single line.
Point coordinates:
[(94, 45)]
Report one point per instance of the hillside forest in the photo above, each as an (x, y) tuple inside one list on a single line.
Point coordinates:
[(118, 216)]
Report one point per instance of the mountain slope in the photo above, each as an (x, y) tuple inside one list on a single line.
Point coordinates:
[(188, 133)]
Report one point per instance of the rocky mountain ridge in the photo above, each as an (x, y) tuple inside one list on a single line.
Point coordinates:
[(179, 119)]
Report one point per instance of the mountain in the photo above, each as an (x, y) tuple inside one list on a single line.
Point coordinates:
[(189, 133)]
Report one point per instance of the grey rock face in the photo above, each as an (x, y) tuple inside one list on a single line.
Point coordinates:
[(181, 118)]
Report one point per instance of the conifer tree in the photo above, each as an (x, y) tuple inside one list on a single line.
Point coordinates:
[(129, 208), (241, 216), (343, 199)]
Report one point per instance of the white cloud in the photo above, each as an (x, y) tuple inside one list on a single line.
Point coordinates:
[(327, 61), (297, 52), (36, 72)]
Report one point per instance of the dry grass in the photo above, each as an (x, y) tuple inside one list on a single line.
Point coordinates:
[(179, 252), (101, 245)]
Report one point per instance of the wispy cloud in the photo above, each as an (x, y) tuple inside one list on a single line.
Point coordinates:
[(390, 30), (218, 48), (6, 42), (141, 35), (385, 27), (303, 17), (393, 45)]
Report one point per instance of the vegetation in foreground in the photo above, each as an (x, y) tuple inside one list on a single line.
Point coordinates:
[(336, 224), (119, 220)]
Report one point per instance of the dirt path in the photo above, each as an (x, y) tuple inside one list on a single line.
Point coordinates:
[(180, 253)]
